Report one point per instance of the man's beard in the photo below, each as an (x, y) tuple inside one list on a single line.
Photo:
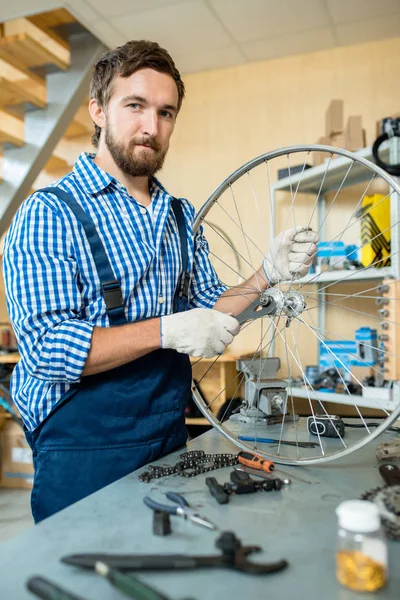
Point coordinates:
[(146, 165)]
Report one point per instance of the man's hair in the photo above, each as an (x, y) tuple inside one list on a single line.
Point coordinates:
[(124, 61)]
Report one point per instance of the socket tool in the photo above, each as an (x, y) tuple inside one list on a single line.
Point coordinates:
[(233, 556), (181, 508)]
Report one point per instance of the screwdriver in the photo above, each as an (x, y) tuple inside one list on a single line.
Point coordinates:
[(127, 584), (248, 459), (47, 590), (262, 440)]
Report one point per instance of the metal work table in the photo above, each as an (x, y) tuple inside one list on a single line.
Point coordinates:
[(297, 523)]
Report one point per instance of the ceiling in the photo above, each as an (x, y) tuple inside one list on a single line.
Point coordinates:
[(210, 34)]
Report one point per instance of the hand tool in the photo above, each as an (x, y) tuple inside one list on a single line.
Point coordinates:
[(241, 484), (261, 474), (129, 585), (161, 523), (233, 556), (387, 498), (180, 508), (263, 440), (195, 462), (249, 459), (47, 590)]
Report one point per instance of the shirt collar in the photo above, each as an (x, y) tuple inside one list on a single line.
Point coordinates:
[(90, 176), (93, 179)]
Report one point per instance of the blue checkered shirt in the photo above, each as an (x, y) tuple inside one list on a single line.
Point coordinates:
[(53, 289)]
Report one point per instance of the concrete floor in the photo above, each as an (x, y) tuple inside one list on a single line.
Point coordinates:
[(15, 512)]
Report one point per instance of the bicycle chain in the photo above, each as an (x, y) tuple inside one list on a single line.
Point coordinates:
[(195, 462)]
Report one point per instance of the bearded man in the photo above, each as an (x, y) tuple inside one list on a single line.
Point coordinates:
[(109, 292)]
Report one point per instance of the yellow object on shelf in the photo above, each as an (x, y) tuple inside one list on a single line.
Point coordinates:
[(375, 231)]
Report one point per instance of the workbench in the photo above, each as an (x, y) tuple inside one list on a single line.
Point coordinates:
[(297, 523)]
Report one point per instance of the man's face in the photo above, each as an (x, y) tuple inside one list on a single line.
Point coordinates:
[(140, 118)]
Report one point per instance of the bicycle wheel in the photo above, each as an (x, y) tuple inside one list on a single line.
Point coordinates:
[(322, 343)]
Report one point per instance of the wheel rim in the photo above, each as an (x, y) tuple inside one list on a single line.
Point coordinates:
[(231, 221)]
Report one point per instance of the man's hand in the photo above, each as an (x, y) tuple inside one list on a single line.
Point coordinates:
[(199, 332), (290, 254)]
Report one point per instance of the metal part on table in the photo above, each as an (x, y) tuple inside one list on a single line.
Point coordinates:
[(388, 451), (261, 474), (265, 394), (181, 508), (388, 500), (233, 556), (195, 462), (161, 523)]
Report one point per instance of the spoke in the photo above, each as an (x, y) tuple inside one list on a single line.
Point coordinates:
[(238, 253), (349, 393), (319, 191), (263, 227), (229, 267), (238, 226), (291, 398), (244, 236), (344, 366), (324, 331), (309, 399), (354, 310), (318, 400), (340, 235)]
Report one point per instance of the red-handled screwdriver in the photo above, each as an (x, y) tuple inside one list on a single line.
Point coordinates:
[(256, 462)]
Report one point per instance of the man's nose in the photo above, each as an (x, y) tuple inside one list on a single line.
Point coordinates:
[(150, 123)]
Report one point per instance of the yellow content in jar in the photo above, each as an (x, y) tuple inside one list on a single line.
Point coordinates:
[(359, 572)]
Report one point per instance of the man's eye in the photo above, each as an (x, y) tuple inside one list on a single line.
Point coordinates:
[(166, 114), (133, 105)]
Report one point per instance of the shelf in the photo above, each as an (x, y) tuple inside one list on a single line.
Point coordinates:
[(311, 178), (347, 276), (352, 400)]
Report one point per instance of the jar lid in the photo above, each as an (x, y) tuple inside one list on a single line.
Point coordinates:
[(358, 516)]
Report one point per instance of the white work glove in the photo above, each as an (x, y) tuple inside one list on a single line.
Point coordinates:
[(199, 332), (290, 254)]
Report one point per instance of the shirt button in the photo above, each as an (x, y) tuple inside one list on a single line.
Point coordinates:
[(143, 210)]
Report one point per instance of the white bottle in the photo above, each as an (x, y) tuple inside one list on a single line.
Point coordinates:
[(361, 558)]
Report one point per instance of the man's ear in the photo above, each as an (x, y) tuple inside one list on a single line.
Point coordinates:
[(97, 113)]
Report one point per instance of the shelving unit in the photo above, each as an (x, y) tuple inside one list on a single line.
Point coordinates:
[(311, 184)]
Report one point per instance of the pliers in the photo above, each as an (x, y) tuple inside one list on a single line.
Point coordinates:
[(181, 508)]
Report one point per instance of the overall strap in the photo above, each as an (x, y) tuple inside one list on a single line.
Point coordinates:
[(181, 296), (110, 286)]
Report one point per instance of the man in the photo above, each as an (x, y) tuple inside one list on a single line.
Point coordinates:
[(97, 283)]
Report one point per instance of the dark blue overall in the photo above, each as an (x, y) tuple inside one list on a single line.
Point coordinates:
[(114, 422)]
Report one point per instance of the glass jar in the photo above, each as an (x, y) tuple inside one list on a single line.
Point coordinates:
[(361, 557)]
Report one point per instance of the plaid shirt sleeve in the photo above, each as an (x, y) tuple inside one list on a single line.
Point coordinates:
[(206, 287), (43, 297)]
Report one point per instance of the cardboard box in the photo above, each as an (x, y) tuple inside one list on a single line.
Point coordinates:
[(334, 118), (16, 457), (338, 140), (354, 133), (319, 157)]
